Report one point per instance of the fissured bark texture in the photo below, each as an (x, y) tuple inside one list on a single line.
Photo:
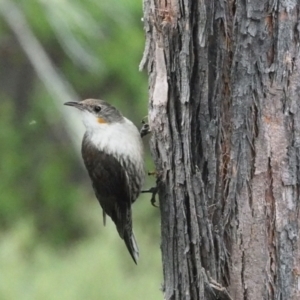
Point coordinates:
[(224, 109)]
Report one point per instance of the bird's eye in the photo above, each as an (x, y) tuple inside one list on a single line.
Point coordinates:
[(97, 108)]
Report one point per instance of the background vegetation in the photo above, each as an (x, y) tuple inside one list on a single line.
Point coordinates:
[(53, 243)]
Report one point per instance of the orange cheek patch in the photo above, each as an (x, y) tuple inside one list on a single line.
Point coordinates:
[(101, 121)]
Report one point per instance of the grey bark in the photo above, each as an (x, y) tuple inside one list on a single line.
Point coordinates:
[(224, 109)]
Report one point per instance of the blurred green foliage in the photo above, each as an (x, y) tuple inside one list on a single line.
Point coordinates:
[(54, 245), (88, 270), (37, 175)]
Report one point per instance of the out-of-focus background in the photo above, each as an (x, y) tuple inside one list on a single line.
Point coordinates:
[(53, 243)]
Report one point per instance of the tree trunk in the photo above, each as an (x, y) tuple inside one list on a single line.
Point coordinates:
[(224, 111)]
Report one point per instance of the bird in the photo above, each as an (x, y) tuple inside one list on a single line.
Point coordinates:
[(112, 152)]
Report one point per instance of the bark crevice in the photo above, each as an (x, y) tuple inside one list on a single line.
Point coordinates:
[(224, 111)]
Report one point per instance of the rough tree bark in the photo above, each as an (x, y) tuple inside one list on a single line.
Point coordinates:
[(224, 109)]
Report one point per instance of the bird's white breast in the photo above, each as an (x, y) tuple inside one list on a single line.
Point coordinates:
[(118, 139)]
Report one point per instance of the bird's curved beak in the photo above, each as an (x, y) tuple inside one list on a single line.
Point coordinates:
[(75, 104)]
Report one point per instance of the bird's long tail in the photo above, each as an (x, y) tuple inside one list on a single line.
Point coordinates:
[(131, 245)]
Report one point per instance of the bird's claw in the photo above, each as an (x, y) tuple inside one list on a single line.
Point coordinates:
[(145, 129), (153, 191)]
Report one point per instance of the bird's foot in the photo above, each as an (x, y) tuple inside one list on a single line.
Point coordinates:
[(152, 173), (153, 191), (145, 129)]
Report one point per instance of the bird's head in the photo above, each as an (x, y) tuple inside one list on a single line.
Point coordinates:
[(97, 113)]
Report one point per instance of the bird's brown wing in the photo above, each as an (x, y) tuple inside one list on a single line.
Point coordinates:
[(110, 184)]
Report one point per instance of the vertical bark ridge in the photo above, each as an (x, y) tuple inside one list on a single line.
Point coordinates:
[(224, 88)]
